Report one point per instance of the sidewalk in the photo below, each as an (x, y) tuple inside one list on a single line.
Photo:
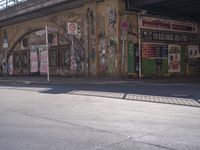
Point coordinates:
[(42, 80)]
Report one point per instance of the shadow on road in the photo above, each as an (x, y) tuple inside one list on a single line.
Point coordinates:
[(176, 94)]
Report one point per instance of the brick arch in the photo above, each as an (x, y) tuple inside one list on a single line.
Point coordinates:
[(29, 29), (20, 37)]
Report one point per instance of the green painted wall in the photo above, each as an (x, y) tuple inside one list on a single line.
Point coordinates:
[(149, 66)]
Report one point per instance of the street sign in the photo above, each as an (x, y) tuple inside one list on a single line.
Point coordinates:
[(40, 32), (5, 45), (72, 28), (52, 29), (125, 26)]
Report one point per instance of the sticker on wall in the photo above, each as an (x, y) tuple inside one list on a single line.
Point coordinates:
[(193, 51), (174, 58)]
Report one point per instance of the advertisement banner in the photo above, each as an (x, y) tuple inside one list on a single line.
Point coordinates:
[(164, 36), (151, 50), (34, 59), (43, 49), (170, 25), (174, 58)]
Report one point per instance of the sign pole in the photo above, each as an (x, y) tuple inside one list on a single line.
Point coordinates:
[(73, 62), (47, 45), (72, 30)]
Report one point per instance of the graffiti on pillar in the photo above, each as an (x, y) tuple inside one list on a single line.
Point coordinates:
[(112, 61), (91, 20), (76, 58), (102, 43), (102, 55), (112, 14), (79, 54)]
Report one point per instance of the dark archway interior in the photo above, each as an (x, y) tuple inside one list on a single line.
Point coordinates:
[(179, 9)]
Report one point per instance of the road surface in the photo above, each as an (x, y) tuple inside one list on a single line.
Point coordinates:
[(100, 117)]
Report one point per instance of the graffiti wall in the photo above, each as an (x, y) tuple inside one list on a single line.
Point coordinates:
[(128, 48), (101, 36), (112, 37)]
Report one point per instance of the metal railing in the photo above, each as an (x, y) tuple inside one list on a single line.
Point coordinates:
[(7, 3)]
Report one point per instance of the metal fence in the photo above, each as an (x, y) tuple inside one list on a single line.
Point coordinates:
[(7, 3)]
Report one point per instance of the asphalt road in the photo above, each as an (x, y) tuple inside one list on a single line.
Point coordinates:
[(99, 117)]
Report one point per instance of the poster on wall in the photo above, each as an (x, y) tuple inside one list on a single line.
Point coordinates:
[(174, 58), (152, 51), (10, 65), (193, 51), (43, 49), (148, 50), (34, 59)]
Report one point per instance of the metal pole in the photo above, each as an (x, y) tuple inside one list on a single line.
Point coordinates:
[(73, 59), (139, 48), (6, 63), (47, 45), (123, 51)]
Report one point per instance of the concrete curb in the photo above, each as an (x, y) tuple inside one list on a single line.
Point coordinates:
[(99, 81)]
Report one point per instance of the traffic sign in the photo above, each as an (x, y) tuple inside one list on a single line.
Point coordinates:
[(52, 29), (40, 32), (125, 26), (72, 28)]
